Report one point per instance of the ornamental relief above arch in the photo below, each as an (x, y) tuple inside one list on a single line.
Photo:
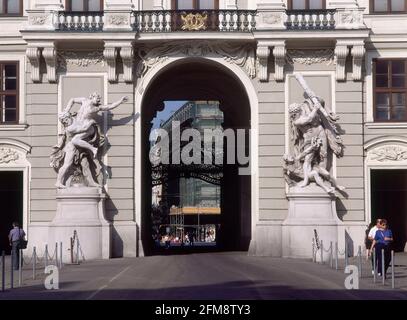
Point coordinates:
[(242, 56), (387, 151), (13, 153)]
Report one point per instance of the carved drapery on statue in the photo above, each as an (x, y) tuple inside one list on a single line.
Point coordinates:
[(315, 136)]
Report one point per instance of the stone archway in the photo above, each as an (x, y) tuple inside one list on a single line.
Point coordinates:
[(385, 176), (14, 165), (217, 70)]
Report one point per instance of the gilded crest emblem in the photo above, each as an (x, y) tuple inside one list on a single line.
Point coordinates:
[(194, 22)]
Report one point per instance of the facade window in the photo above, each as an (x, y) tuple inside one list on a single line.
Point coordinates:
[(84, 5), (195, 4), (306, 4), (9, 92), (388, 6), (11, 7), (390, 90)]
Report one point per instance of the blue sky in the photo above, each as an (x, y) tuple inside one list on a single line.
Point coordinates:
[(170, 108)]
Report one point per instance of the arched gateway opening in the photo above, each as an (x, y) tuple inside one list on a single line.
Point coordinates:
[(198, 79)]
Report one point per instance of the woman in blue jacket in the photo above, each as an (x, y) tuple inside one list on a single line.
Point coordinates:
[(382, 240)]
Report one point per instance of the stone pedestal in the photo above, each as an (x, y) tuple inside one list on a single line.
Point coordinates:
[(310, 208), (81, 209), (270, 15), (118, 15), (44, 15)]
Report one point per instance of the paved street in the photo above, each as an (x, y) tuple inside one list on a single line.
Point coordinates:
[(229, 275)]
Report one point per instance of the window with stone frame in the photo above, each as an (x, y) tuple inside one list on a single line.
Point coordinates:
[(390, 90), (84, 5), (9, 92), (11, 7), (388, 6), (306, 4), (195, 4)]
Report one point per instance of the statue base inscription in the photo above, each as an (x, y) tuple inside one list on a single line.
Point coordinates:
[(81, 210), (310, 208)]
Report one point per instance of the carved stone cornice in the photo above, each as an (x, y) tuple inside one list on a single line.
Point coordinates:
[(110, 54), (279, 61), (243, 56), (263, 53), (309, 56), (341, 52), (278, 50), (80, 59), (34, 55), (50, 57), (127, 56), (358, 52)]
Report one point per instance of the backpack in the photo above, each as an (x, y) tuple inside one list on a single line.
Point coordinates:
[(22, 244), (368, 242)]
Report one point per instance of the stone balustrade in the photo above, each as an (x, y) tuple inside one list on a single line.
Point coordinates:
[(161, 21), (195, 20), (310, 19), (81, 21)]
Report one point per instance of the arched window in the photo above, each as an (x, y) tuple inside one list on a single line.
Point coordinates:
[(195, 4), (306, 4), (84, 5), (11, 7)]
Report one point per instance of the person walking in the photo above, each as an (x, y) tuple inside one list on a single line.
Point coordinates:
[(382, 241), (15, 237), (370, 234)]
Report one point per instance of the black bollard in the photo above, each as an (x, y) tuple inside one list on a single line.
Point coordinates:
[(3, 271), (12, 270)]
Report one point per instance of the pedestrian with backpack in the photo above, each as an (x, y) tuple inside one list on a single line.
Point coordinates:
[(17, 241)]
